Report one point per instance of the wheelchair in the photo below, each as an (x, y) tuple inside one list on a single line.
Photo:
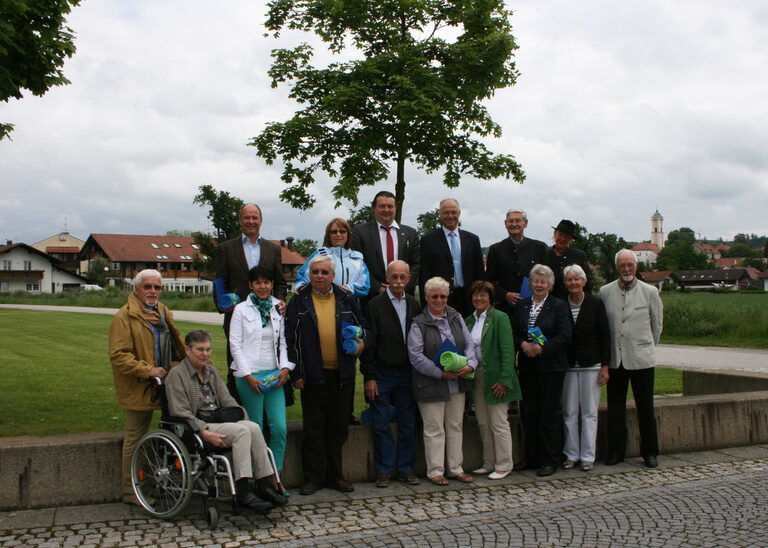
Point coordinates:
[(173, 463)]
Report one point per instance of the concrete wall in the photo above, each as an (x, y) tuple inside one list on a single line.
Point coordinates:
[(700, 383), (85, 468)]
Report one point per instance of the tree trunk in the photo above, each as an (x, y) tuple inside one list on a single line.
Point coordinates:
[(400, 187)]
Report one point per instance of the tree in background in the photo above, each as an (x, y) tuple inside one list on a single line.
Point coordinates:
[(682, 255), (224, 214), (428, 221), (683, 233), (98, 270), (360, 216), (34, 43), (306, 247), (753, 262), (179, 233), (413, 95), (741, 249), (601, 249)]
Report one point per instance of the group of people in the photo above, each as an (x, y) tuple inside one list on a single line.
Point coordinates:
[(525, 327)]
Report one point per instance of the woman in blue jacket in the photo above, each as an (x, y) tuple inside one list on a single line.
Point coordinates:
[(351, 272)]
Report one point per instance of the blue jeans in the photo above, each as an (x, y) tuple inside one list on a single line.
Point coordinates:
[(395, 389)]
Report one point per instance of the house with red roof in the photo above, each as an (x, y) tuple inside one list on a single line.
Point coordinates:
[(24, 268), (708, 250), (646, 253)]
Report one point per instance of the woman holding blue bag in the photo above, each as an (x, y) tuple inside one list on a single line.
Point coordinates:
[(541, 325), (260, 358)]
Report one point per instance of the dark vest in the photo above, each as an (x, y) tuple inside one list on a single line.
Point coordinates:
[(429, 389)]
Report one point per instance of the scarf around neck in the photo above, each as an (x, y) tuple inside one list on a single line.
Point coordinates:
[(264, 306)]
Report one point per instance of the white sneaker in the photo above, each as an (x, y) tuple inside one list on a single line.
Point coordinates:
[(495, 475), (480, 471), (567, 465)]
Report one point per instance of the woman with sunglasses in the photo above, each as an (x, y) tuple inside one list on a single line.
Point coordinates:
[(351, 272)]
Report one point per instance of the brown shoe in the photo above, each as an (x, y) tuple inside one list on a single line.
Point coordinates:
[(409, 478), (463, 478), (382, 480), (343, 486), (309, 488)]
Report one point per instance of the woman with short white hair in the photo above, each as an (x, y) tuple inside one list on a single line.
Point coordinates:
[(440, 394), (542, 333), (589, 355)]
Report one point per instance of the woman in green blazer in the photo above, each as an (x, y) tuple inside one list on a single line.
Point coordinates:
[(496, 381)]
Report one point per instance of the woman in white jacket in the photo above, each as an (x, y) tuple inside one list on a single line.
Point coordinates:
[(260, 358), (351, 272)]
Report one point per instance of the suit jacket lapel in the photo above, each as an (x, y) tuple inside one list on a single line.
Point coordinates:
[(240, 254), (486, 325)]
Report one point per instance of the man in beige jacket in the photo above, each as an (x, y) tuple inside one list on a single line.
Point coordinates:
[(635, 318), (143, 343)]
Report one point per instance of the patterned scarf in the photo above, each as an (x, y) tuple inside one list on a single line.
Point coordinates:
[(163, 339), (264, 306)]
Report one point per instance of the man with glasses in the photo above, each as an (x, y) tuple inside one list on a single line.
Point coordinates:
[(143, 343), (324, 372)]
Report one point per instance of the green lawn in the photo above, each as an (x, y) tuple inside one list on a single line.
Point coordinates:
[(57, 377)]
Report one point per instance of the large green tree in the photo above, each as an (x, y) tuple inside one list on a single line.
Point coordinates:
[(684, 233), (34, 43), (413, 92)]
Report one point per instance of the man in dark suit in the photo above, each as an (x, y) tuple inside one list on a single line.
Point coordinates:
[(387, 372), (238, 255), (511, 259), (454, 255), (560, 255), (383, 241)]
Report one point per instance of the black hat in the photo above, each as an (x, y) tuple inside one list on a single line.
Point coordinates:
[(566, 227)]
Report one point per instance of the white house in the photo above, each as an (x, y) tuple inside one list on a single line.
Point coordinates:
[(22, 267), (646, 253)]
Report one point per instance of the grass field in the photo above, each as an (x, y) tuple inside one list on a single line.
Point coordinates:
[(716, 319), (57, 377)]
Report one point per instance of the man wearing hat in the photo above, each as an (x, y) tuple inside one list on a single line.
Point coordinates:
[(560, 255)]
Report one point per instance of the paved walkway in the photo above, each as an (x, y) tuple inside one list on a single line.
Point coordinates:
[(712, 358), (712, 498)]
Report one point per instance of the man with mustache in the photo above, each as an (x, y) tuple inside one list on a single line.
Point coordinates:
[(387, 373), (635, 316)]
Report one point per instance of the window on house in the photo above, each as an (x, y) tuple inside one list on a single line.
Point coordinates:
[(159, 256), (27, 265), (33, 287), (4, 286), (177, 245), (6, 264), (155, 246), (195, 246), (166, 245)]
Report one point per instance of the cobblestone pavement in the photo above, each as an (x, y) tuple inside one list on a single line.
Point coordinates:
[(713, 498)]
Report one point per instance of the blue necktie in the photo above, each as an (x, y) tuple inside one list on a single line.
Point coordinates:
[(458, 275)]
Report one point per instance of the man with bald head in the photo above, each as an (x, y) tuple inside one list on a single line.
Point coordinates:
[(452, 254), (635, 318), (238, 255), (387, 373)]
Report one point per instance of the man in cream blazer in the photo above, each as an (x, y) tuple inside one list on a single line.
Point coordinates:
[(635, 317)]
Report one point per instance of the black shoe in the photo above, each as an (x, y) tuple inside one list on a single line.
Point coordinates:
[(613, 459), (651, 461), (546, 470), (309, 488), (343, 486), (252, 502), (522, 465), (269, 493), (354, 421)]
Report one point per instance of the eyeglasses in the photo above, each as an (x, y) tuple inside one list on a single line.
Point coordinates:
[(318, 271), (150, 286), (338, 231)]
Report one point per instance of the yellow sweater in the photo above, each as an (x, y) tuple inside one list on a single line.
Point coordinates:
[(325, 308)]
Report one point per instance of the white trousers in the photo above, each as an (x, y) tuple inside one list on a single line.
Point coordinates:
[(443, 435), (581, 391), (494, 428), (249, 450)]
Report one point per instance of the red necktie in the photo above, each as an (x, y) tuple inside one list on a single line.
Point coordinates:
[(390, 245)]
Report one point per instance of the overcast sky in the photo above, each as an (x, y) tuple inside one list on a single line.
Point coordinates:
[(620, 108)]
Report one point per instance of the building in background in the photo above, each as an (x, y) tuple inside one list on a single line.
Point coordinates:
[(25, 268), (657, 230), (64, 247)]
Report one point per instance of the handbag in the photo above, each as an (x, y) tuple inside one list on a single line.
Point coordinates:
[(223, 414)]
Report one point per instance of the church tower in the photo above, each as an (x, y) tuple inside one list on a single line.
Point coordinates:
[(657, 229)]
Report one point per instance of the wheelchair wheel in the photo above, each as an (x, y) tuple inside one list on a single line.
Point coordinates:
[(161, 474), (211, 514)]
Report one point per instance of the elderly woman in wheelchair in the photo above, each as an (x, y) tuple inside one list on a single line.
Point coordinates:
[(202, 413)]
